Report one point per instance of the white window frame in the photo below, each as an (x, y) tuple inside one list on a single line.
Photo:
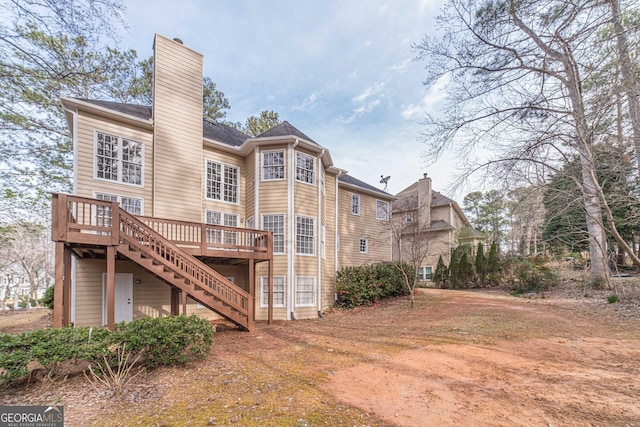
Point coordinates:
[(227, 189), (280, 237), (223, 218), (355, 204), (311, 281), (110, 197), (382, 210), (274, 166), (278, 281), (363, 246), (305, 174), (303, 237), (120, 162), (422, 272)]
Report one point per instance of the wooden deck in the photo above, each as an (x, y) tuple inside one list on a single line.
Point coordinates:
[(169, 249)]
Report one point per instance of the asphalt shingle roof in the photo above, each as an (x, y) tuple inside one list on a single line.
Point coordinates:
[(348, 179), (285, 129), (140, 111)]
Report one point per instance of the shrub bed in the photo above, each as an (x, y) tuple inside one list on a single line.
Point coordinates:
[(160, 341), (367, 284)]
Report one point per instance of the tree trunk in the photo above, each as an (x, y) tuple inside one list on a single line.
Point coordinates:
[(629, 81)]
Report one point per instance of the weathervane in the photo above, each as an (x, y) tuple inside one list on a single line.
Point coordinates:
[(385, 181)]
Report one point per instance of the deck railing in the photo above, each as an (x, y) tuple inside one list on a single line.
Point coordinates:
[(86, 220)]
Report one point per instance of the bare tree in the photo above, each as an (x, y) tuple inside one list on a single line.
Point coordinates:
[(515, 74), (412, 242), (30, 251)]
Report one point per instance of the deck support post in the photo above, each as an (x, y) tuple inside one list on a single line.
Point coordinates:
[(58, 286), (251, 312), (111, 287), (184, 303), (175, 301), (66, 286), (270, 313)]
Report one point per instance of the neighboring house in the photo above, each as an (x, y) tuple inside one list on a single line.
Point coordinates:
[(172, 213), (435, 219)]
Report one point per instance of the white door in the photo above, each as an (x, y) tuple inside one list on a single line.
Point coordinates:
[(123, 297)]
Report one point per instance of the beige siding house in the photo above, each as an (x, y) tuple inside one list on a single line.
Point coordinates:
[(208, 195), (439, 220)]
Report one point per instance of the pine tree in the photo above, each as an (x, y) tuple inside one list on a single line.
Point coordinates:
[(493, 265), (441, 275), (480, 265)]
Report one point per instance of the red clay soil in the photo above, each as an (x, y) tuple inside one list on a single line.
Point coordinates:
[(457, 358)]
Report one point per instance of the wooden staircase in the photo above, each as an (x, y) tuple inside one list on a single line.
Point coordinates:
[(168, 249), (176, 267)]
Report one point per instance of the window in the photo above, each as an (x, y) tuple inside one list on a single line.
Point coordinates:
[(275, 224), (305, 168), (222, 182), (227, 237), (364, 247), (425, 273), (278, 291), (272, 165), (355, 204), (305, 291), (118, 159), (305, 235), (103, 213), (382, 210)]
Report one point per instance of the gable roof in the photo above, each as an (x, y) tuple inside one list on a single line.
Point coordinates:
[(354, 182), (285, 129), (439, 199)]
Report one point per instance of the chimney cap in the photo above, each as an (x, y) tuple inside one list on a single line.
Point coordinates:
[(425, 175), (176, 39)]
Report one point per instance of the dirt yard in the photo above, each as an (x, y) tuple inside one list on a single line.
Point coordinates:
[(457, 358)]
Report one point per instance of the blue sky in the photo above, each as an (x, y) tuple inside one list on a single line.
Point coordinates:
[(340, 71)]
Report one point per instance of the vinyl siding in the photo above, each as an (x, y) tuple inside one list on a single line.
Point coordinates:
[(178, 131), (87, 185), (231, 160), (328, 263), (354, 227)]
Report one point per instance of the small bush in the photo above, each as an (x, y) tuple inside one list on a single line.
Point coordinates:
[(167, 340), (366, 284), (612, 298), (160, 341), (533, 275)]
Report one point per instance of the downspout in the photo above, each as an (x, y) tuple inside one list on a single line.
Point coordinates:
[(321, 229), (256, 192), (336, 239), (291, 222)]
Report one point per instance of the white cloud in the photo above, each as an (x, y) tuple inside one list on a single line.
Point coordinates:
[(309, 102), (429, 102), (401, 67), (371, 90)]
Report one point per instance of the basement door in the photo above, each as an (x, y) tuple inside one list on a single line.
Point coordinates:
[(123, 298)]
